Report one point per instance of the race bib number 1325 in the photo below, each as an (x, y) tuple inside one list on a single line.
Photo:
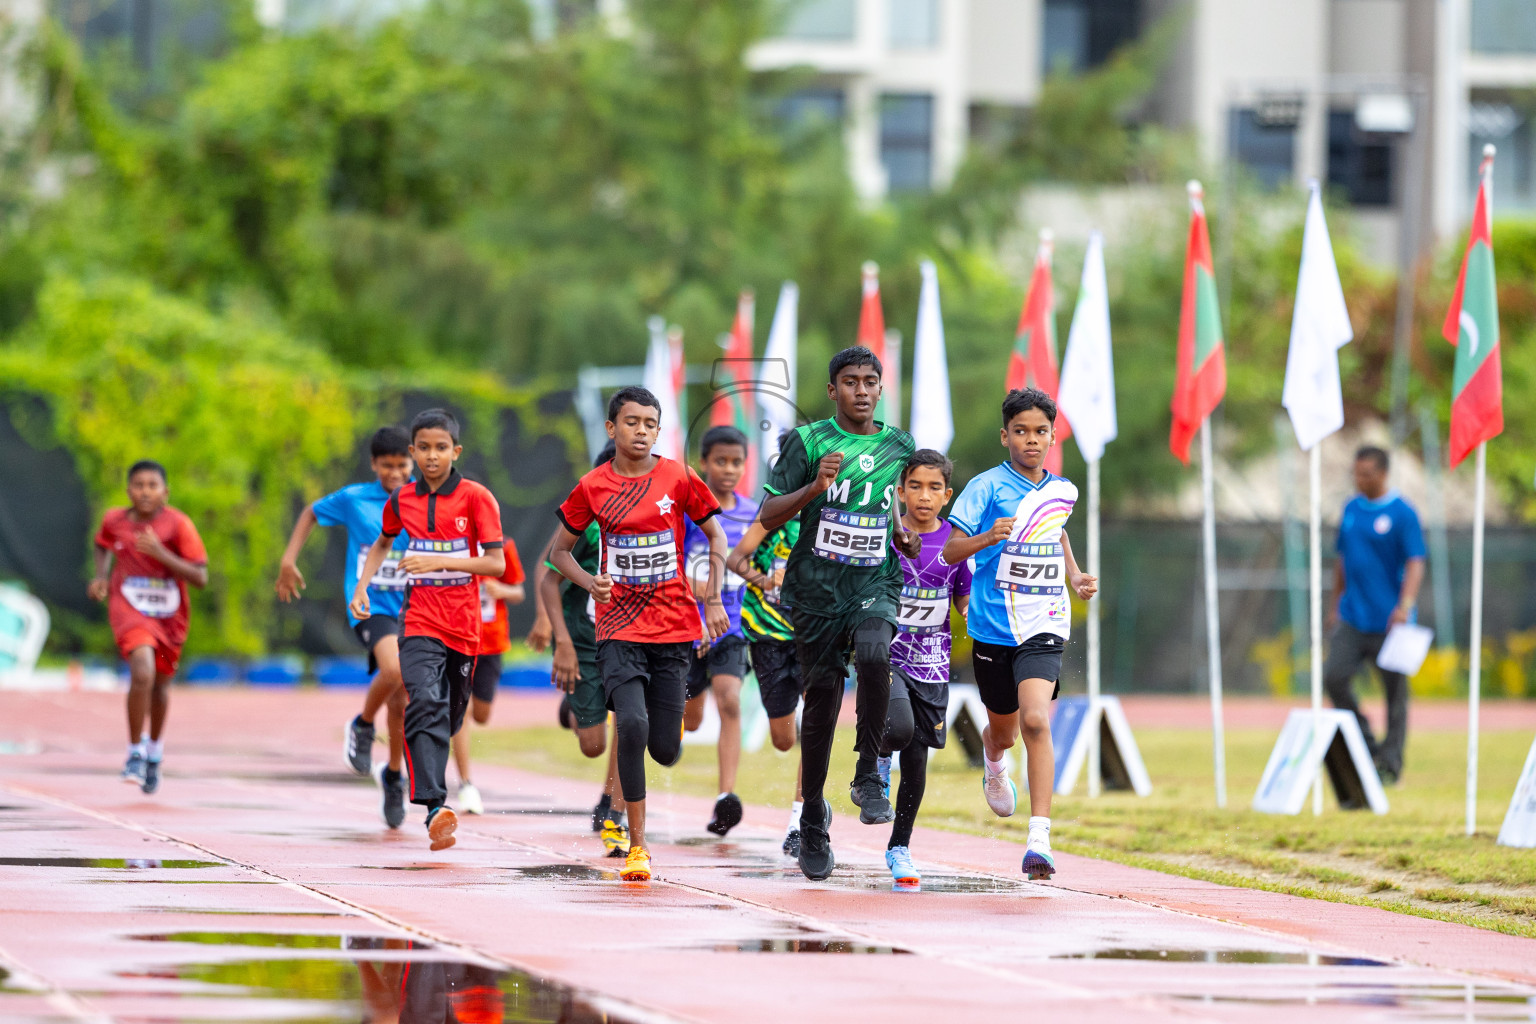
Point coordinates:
[(852, 538)]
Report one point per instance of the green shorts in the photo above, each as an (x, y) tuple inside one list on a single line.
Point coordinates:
[(589, 704)]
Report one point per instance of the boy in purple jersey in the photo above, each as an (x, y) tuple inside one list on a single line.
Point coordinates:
[(919, 704)]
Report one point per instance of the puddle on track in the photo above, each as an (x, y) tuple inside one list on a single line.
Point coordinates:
[(129, 863), (1226, 956), (834, 946), (871, 880), (566, 873), (1387, 1001)]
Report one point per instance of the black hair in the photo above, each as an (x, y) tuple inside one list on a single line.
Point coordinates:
[(856, 355), (146, 465), (1020, 399), (929, 457), (633, 393), (1376, 455), (783, 438), (606, 455), (723, 434), (389, 441), (435, 419)]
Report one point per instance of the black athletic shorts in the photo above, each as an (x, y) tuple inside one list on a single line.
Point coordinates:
[(487, 675), (930, 707), (661, 668), (778, 676), (1000, 669), (373, 629), (725, 657)]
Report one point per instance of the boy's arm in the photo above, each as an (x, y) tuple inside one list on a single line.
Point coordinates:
[(963, 603), (148, 542), (715, 619), (512, 593), (539, 633), (289, 579), (382, 545), (792, 467), (1083, 585), (739, 561), (599, 586), (961, 545), (96, 590)]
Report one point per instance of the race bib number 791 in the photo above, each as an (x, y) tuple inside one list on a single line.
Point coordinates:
[(1035, 569), (852, 538)]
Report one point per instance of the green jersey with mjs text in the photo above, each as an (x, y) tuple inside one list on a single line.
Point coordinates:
[(842, 564)]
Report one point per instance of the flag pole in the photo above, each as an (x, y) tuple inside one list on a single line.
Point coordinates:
[(1475, 668), (1316, 620), (1095, 725), (1212, 613)]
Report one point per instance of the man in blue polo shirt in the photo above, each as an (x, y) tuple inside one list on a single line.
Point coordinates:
[(359, 509), (1375, 587)]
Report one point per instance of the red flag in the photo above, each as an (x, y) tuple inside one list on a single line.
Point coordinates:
[(872, 332), (1032, 364), (1472, 325), (1202, 373), (734, 380)]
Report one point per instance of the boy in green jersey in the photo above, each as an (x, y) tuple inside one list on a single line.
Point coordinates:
[(842, 583)]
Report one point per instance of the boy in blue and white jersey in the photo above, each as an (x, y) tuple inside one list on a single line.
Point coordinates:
[(359, 508), (1012, 519)]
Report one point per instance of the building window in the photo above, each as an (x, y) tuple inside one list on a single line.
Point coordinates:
[(825, 21), (1503, 26), (906, 141), (1267, 148), (1500, 118), (816, 107), (914, 24), (1359, 163), (1078, 35)]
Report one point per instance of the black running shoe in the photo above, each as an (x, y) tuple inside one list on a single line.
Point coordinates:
[(727, 814), (133, 771), (792, 843), (874, 806), (816, 860), (600, 811), (151, 777), (394, 794), (358, 752), (564, 716)]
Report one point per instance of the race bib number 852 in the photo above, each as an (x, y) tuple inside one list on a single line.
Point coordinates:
[(637, 559), (1035, 569), (852, 538)]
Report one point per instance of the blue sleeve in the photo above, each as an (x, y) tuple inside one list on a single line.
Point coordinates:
[(1413, 533), (332, 509), (970, 509)]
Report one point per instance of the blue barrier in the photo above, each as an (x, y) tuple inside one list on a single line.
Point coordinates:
[(207, 672), (342, 671), (281, 671)]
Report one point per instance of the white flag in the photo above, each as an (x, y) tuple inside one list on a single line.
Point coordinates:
[(776, 395), (933, 423), (659, 382), (1319, 328), (1087, 392)]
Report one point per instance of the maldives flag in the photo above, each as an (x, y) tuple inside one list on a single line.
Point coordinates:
[(734, 408), (872, 330), (1202, 377), (1032, 363), (1472, 325)]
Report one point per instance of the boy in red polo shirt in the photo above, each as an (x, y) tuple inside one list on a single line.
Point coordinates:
[(454, 526), (647, 616), (495, 640), (146, 554)]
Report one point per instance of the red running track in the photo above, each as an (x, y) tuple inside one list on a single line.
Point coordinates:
[(260, 884)]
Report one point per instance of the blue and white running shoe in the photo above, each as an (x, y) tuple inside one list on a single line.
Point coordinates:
[(1038, 863), (1002, 795), (899, 860)]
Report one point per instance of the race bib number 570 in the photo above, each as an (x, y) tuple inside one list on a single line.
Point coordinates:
[(1035, 569), (852, 538)]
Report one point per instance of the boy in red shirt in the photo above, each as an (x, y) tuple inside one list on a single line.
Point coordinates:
[(454, 526), (146, 554), (495, 640), (647, 616)]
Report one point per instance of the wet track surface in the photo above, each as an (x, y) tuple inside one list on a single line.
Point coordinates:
[(260, 885)]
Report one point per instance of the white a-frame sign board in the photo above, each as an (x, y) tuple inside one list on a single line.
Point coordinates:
[(1072, 725), (1520, 821), (1302, 751), (964, 719)]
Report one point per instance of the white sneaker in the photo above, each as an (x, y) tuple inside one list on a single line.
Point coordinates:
[(1002, 795), (469, 799)]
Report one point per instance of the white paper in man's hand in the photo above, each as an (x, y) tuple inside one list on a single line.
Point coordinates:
[(1405, 648)]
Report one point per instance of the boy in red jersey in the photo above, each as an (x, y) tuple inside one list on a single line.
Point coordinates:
[(454, 526), (146, 555), (495, 640), (647, 616)]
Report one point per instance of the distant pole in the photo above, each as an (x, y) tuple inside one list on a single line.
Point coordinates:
[(1475, 667), (1094, 653), (1439, 541), (1316, 623), (1213, 613)]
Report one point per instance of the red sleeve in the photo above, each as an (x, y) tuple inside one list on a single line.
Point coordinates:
[(103, 535), (576, 511), (392, 524), (189, 542), (700, 503), (487, 515), (514, 574)]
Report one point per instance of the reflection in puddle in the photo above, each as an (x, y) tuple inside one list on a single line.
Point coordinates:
[(805, 946), (977, 884), (566, 872), (103, 862), (272, 940), (1424, 1002), (574, 812), (1225, 956)]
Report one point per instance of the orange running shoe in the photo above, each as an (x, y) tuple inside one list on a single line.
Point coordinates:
[(637, 866), (441, 828)]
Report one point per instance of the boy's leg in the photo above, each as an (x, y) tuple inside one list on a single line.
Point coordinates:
[(141, 684), (699, 682), (386, 654), (728, 704), (778, 684), (385, 650), (1035, 723), (631, 732), (992, 665), (823, 664), (872, 667), (461, 754), (159, 705), (395, 724), (909, 795), (424, 667)]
